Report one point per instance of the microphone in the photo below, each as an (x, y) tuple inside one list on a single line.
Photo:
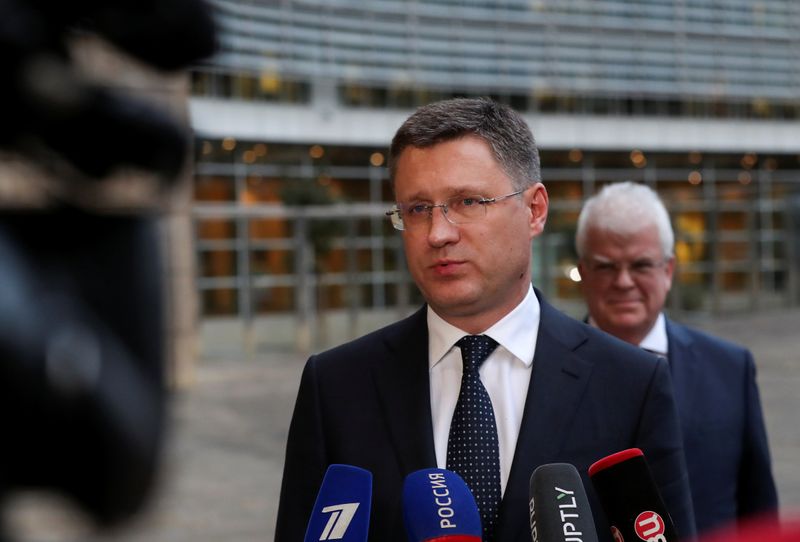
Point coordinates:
[(165, 34), (341, 511), (49, 107), (559, 508), (114, 131), (630, 498), (438, 506), (82, 358)]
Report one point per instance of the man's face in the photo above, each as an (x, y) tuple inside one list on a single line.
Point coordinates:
[(625, 280), (470, 274)]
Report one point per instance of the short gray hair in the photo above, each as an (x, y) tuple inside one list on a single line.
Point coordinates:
[(501, 127), (624, 208)]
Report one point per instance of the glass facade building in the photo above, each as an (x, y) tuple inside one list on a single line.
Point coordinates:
[(293, 116)]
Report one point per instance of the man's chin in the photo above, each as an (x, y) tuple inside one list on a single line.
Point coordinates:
[(626, 317), (626, 325), (459, 303), (460, 307), (624, 307)]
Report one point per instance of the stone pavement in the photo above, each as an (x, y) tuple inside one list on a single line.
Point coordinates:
[(224, 457)]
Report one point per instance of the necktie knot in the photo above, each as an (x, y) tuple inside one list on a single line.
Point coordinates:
[(475, 349)]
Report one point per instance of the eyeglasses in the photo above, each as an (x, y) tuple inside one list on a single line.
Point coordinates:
[(641, 268), (457, 210)]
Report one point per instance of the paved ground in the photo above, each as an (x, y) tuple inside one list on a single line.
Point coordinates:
[(225, 453)]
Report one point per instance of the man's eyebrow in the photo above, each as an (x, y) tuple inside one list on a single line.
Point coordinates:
[(417, 196), (451, 193)]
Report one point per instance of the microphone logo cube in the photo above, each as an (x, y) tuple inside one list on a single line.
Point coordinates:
[(650, 527)]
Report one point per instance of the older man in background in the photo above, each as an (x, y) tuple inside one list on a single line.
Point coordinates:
[(625, 244)]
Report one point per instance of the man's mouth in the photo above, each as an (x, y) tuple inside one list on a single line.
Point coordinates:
[(446, 266)]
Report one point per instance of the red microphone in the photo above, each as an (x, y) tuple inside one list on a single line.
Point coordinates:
[(630, 498)]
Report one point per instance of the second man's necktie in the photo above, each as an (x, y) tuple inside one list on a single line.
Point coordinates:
[(472, 447)]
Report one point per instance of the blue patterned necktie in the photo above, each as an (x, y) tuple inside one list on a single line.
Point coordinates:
[(472, 448)]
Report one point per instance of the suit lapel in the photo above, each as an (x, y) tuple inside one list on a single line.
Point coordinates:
[(683, 366), (558, 379), (403, 388)]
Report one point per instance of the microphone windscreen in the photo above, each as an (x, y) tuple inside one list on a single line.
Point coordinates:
[(630, 497), (559, 508), (167, 34), (116, 130), (438, 505), (343, 504)]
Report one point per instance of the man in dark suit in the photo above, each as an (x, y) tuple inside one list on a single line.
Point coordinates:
[(470, 201), (625, 244)]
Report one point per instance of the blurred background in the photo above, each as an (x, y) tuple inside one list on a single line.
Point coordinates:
[(274, 238), (292, 118)]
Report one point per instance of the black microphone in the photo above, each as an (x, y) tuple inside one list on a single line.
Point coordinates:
[(439, 507), (630, 498), (166, 34), (49, 107), (82, 357), (559, 508), (343, 506), (98, 131)]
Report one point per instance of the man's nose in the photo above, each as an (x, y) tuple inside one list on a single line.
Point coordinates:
[(442, 231), (623, 277)]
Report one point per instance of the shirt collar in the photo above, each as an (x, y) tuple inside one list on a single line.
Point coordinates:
[(515, 332), (656, 340)]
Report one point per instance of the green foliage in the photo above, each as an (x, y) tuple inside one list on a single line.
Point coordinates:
[(321, 232)]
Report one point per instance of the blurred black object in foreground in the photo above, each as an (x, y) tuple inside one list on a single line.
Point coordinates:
[(47, 105), (82, 334), (81, 357)]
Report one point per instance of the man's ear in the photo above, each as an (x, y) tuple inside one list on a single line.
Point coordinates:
[(537, 200), (670, 271)]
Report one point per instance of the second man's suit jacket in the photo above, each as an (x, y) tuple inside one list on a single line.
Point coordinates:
[(367, 403), (727, 453)]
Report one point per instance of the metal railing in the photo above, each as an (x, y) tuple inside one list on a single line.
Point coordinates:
[(371, 277)]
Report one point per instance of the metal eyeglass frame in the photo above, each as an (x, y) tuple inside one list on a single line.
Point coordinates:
[(397, 219)]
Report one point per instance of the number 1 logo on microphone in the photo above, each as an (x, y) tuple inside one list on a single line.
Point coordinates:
[(341, 516)]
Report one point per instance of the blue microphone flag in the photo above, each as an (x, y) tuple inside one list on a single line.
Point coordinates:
[(343, 504), (438, 505)]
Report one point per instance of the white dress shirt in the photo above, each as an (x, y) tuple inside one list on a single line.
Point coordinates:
[(656, 339), (505, 374)]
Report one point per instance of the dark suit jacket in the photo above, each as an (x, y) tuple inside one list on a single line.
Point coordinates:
[(723, 428), (367, 403)]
